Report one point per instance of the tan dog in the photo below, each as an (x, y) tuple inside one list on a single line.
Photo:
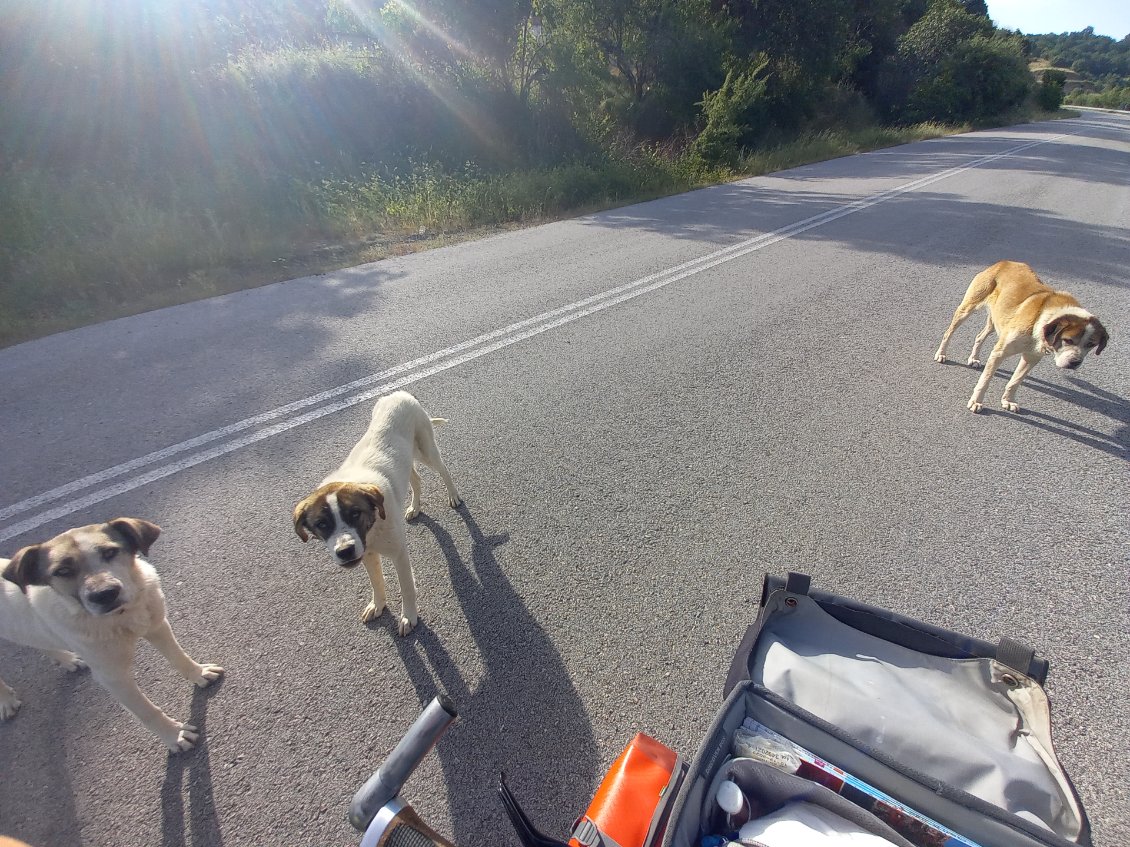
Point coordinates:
[(1030, 319), (85, 598), (347, 511)]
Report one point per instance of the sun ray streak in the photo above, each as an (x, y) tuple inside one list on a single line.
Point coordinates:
[(398, 47)]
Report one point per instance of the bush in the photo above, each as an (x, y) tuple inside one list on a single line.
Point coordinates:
[(952, 66), (1112, 98), (727, 113), (1049, 94), (983, 77)]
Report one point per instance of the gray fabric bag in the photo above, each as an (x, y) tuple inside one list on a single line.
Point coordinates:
[(956, 728)]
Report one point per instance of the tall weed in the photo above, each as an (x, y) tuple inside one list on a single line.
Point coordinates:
[(87, 247)]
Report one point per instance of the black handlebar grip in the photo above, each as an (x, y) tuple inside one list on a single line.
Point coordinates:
[(417, 742)]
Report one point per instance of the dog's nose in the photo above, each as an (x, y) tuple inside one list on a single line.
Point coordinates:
[(1072, 365), (105, 596), (347, 553)]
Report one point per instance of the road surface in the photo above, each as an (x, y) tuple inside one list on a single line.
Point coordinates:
[(648, 408)]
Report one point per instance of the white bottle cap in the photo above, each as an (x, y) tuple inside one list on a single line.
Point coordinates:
[(730, 797)]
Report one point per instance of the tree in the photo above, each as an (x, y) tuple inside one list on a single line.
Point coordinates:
[(727, 112), (877, 27), (808, 44), (984, 77), (1096, 57), (952, 65), (652, 59), (1049, 95)]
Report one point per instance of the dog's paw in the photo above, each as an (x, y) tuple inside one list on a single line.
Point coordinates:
[(371, 612), (184, 740), (70, 663), (1011, 407), (974, 406), (405, 626), (9, 704), (208, 675), (974, 363), (940, 357), (411, 513), (455, 502)]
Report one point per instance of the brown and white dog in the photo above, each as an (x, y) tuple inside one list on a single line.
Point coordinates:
[(347, 511), (85, 598), (1030, 319)]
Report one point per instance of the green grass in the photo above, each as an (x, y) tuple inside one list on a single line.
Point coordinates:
[(1112, 98), (87, 249)]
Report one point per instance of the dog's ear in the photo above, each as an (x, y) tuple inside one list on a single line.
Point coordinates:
[(139, 534), (26, 568), (300, 520), (375, 498), (1053, 329), (1101, 334)]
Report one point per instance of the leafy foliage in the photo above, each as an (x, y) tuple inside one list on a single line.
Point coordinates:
[(157, 139), (1049, 94), (952, 65), (728, 112), (286, 88), (1097, 57), (1110, 98)]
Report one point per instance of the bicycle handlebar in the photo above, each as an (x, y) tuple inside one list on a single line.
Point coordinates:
[(417, 742)]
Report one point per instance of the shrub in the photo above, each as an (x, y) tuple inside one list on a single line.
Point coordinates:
[(727, 113), (1049, 94), (983, 77), (952, 66), (1112, 98)]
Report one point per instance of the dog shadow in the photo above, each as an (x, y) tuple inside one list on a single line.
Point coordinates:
[(523, 717), (1078, 392), (57, 820), (1117, 445), (201, 820)]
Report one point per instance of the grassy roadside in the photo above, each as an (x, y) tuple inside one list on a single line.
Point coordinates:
[(84, 250)]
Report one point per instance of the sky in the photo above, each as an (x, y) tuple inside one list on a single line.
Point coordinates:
[(1034, 17)]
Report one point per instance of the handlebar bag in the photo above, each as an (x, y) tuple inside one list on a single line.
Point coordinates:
[(952, 727)]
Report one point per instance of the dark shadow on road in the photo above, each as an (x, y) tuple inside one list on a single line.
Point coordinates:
[(722, 215), (200, 819), (250, 350), (524, 717), (1088, 396), (40, 809), (1100, 441), (727, 214), (1077, 390), (1073, 390)]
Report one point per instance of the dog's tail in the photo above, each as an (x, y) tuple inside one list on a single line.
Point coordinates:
[(438, 421)]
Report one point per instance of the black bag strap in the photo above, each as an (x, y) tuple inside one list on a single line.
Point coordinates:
[(589, 834), (1016, 655), (798, 583)]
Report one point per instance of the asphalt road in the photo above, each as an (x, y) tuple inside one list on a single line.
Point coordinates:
[(648, 408)]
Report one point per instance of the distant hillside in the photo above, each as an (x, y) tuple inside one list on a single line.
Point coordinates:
[(1074, 82), (1095, 58)]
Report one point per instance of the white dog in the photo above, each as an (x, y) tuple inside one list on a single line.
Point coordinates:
[(347, 511), (86, 597)]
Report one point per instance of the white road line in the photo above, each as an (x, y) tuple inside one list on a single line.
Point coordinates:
[(367, 388)]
